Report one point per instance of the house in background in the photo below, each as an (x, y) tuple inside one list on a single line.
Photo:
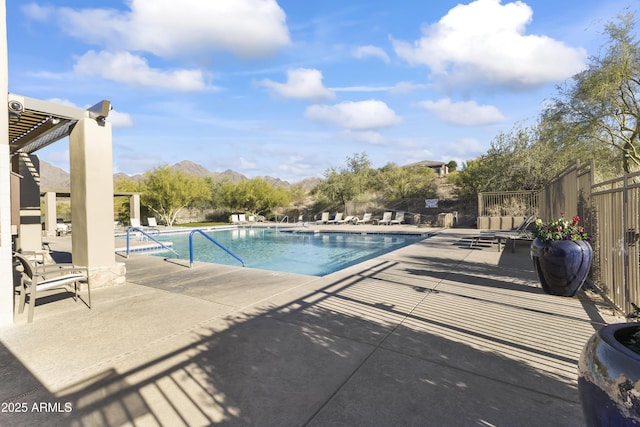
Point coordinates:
[(440, 168)]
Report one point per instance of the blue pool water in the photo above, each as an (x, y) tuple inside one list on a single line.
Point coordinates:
[(314, 254)]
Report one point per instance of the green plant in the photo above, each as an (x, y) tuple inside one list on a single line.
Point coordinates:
[(560, 229)]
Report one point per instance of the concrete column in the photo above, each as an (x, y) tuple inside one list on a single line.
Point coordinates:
[(6, 265), (134, 207), (92, 237), (50, 213)]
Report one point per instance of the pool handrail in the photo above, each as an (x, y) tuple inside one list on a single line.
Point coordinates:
[(149, 237), (197, 230)]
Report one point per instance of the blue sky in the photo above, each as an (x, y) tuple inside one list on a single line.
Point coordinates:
[(290, 88)]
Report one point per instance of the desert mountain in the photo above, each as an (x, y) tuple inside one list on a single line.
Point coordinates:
[(54, 178)]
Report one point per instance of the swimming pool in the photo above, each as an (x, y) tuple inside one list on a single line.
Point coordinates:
[(309, 253)]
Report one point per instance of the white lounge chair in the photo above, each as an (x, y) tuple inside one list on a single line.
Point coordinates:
[(336, 219), (135, 222), (324, 219), (366, 218), (399, 219), (235, 219), (34, 279), (386, 218), (242, 218), (152, 223), (348, 219)]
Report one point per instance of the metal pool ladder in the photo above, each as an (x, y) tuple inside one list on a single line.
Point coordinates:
[(148, 236), (212, 240)]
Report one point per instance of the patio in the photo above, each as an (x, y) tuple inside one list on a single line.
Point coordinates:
[(435, 333)]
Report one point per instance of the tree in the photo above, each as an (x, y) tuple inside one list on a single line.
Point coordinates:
[(254, 195), (452, 165), (166, 192), (603, 102), (398, 182), (343, 185)]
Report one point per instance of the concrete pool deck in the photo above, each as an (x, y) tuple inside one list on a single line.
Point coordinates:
[(435, 333)]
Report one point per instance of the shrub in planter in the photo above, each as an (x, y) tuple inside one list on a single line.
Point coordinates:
[(561, 255)]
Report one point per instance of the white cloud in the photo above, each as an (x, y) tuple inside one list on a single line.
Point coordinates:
[(134, 70), (361, 115), (169, 28), (485, 41), (120, 120), (467, 113), (301, 83), (407, 87), (246, 164), (371, 51)]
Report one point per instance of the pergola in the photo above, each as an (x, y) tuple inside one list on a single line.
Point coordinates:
[(30, 125)]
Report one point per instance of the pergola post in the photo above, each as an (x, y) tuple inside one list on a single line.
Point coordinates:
[(134, 207), (50, 213), (92, 211)]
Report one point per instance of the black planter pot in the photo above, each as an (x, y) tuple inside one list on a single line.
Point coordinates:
[(609, 378), (562, 265)]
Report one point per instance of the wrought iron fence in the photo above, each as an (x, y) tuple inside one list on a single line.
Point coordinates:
[(610, 212)]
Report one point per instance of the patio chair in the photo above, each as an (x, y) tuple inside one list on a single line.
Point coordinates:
[(350, 219), (242, 218), (336, 219), (366, 218), (135, 222), (497, 236), (35, 279), (386, 218), (324, 219), (152, 223), (519, 233), (235, 219), (399, 219)]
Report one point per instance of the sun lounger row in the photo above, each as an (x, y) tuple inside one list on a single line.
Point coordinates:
[(387, 219), (338, 219)]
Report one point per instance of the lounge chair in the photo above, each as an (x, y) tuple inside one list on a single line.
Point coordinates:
[(399, 218), (366, 218), (519, 233), (324, 219), (235, 219), (348, 219), (242, 218), (336, 219), (386, 219), (498, 236), (34, 279), (152, 223), (135, 222)]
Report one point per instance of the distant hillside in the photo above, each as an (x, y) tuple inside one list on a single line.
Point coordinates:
[(54, 178)]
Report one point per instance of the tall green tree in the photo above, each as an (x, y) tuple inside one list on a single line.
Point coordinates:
[(602, 103), (255, 195), (166, 192), (344, 184), (397, 182)]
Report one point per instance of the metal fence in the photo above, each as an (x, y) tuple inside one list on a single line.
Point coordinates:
[(609, 211), (568, 194), (507, 203), (615, 223)]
